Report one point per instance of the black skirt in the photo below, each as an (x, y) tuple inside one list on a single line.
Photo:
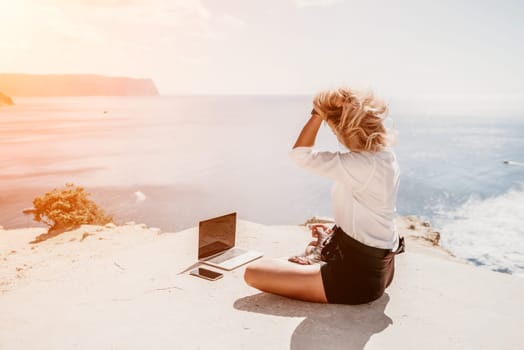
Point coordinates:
[(355, 273)]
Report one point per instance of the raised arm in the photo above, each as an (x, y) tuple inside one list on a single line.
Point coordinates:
[(325, 163), (309, 132)]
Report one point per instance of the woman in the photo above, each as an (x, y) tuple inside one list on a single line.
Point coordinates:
[(358, 257)]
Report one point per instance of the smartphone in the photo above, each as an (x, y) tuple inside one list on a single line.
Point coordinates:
[(206, 274)]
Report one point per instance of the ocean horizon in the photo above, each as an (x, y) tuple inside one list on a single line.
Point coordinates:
[(170, 161)]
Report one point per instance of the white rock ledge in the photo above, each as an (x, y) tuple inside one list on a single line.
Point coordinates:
[(128, 288)]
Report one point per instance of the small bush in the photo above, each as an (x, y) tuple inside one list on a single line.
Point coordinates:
[(67, 208)]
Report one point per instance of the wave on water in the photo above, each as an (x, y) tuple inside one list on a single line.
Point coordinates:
[(511, 162), (488, 232)]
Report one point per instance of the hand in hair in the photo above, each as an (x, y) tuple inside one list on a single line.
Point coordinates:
[(316, 114), (309, 132), (357, 117)]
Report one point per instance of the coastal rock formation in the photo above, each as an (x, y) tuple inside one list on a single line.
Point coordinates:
[(5, 100), (75, 85)]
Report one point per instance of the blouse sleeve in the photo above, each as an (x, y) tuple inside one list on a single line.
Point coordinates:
[(346, 167)]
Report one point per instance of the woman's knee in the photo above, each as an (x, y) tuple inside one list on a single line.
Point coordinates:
[(262, 272), (249, 275), (253, 272)]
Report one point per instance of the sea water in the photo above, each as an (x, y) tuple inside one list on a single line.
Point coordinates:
[(171, 161)]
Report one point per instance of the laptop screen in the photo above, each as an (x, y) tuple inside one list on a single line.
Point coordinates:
[(216, 235)]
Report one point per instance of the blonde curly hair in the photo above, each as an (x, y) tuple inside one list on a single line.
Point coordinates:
[(357, 117)]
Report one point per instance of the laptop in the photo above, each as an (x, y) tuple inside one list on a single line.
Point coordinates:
[(216, 244)]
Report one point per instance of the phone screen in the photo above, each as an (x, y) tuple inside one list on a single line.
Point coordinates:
[(206, 273)]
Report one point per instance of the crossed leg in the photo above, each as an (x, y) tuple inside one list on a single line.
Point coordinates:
[(303, 282)]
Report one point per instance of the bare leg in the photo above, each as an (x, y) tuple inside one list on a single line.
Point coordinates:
[(303, 282)]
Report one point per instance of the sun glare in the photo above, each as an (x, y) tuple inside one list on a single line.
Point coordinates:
[(15, 19), (12, 11)]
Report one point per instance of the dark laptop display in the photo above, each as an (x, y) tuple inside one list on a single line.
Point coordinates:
[(216, 235)]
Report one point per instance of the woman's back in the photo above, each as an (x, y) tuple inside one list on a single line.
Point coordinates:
[(364, 191), (374, 204)]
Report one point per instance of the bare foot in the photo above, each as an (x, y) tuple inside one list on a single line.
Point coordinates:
[(314, 248)]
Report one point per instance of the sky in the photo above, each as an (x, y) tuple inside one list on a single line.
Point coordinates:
[(404, 48)]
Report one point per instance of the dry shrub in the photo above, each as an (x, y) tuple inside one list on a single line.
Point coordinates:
[(67, 208)]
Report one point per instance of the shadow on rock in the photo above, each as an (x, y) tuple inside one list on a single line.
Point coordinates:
[(52, 232), (326, 325)]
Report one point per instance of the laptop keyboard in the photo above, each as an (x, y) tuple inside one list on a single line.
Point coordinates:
[(230, 254)]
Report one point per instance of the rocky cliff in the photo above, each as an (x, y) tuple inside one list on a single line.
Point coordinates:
[(75, 85)]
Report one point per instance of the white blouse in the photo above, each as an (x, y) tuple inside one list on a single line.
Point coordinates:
[(364, 194)]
